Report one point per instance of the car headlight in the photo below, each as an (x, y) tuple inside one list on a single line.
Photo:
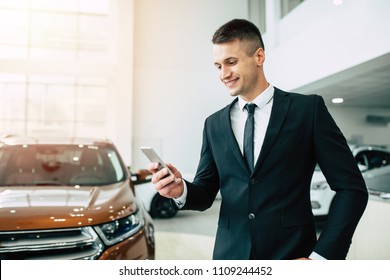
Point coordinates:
[(118, 230), (319, 186)]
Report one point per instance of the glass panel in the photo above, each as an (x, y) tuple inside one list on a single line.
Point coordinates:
[(52, 54), (90, 129), (54, 30), (96, 81), (13, 78), (13, 52), (46, 103), (50, 79), (49, 128), (93, 43), (55, 107), (12, 97), (35, 101), (14, 3), (12, 127), (93, 33), (57, 5), (13, 34), (95, 6), (91, 106)]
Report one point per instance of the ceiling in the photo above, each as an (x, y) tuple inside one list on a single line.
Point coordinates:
[(364, 85)]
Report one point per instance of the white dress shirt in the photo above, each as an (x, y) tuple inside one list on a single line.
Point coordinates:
[(239, 114)]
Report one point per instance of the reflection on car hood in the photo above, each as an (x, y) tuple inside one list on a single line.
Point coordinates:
[(318, 177), (61, 207)]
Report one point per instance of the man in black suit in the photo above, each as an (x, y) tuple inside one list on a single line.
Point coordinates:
[(266, 211)]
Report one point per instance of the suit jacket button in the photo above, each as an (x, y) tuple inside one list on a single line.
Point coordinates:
[(253, 181), (251, 216)]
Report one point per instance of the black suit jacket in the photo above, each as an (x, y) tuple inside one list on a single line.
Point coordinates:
[(269, 211)]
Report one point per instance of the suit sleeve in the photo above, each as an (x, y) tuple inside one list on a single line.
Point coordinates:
[(344, 177)]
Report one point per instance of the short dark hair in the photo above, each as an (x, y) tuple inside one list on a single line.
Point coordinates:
[(242, 30)]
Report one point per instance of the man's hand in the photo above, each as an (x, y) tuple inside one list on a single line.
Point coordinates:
[(170, 186)]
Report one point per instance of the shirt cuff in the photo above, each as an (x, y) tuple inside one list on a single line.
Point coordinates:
[(315, 256), (180, 201)]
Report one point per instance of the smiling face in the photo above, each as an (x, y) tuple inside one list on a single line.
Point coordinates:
[(241, 72)]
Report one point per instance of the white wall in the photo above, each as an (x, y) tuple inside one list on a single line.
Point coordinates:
[(318, 39), (175, 84)]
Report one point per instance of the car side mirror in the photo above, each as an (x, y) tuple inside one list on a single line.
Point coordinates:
[(141, 176)]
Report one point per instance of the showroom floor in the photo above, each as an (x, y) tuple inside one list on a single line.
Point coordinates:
[(187, 236), (190, 235)]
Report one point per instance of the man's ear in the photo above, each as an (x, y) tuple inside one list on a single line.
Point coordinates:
[(260, 56)]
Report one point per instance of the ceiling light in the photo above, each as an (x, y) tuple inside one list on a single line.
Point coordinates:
[(337, 100)]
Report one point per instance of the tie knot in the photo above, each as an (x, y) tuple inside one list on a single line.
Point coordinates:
[(250, 107)]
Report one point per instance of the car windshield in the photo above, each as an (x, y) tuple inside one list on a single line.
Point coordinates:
[(41, 165)]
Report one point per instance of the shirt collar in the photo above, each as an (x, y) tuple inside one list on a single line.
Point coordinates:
[(261, 100)]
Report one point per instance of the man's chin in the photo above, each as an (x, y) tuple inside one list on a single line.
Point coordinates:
[(233, 92)]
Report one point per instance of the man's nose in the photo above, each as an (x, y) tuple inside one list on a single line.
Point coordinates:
[(225, 73)]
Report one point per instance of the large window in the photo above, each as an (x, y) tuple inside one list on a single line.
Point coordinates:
[(59, 29), (56, 35), (55, 105)]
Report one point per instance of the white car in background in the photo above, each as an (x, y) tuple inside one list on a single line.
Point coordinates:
[(157, 205), (373, 162)]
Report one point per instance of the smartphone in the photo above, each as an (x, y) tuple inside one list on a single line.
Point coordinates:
[(154, 157)]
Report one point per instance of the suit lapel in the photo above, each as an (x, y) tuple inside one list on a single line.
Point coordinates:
[(279, 111), (229, 135)]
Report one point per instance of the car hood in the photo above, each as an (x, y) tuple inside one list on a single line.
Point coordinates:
[(44, 207), (318, 177)]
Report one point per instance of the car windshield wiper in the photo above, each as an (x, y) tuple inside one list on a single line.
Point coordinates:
[(47, 183), (32, 184)]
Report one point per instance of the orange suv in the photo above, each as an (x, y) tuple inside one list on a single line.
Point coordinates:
[(69, 199)]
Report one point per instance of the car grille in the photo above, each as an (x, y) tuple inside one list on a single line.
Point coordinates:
[(57, 244)]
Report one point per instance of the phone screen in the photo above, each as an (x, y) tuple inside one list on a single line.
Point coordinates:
[(154, 157)]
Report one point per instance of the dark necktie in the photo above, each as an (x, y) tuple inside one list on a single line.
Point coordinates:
[(248, 136)]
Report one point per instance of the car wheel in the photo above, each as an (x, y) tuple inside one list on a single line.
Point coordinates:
[(161, 207)]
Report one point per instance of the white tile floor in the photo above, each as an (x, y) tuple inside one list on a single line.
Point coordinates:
[(187, 236), (190, 235), (183, 246)]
